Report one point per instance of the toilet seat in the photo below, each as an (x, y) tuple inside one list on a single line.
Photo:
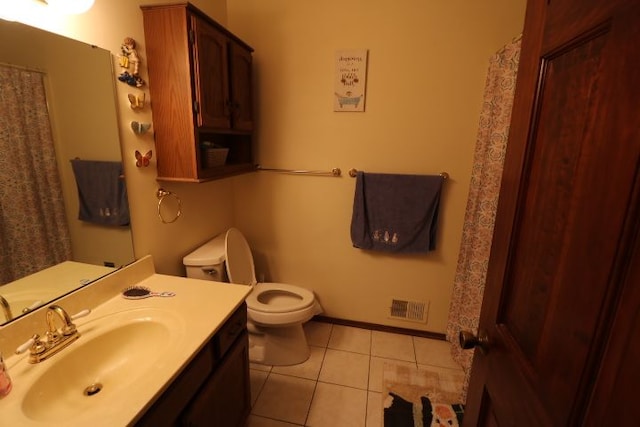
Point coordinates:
[(279, 298), (268, 303), (240, 267), (278, 305)]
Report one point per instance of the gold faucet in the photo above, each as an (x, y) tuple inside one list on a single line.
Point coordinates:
[(56, 338), (6, 309)]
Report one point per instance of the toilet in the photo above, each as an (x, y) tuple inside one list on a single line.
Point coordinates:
[(275, 311)]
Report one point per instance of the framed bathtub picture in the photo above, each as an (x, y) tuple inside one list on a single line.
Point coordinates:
[(350, 80)]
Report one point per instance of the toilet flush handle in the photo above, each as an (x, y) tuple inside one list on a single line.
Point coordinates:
[(210, 271)]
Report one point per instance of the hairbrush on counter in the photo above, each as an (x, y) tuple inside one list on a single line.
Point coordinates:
[(140, 292)]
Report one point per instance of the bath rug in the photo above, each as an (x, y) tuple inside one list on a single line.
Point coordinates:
[(422, 397), (401, 413)]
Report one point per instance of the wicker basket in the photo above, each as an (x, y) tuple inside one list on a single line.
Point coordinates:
[(214, 157)]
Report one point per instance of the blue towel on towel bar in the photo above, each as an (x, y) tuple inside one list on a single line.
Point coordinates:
[(102, 194), (396, 213)]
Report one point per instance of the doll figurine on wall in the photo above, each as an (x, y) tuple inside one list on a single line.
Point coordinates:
[(130, 58)]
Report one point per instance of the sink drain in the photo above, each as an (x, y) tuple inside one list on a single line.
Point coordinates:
[(93, 389)]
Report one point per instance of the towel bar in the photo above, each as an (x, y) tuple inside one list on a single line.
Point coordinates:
[(121, 176), (353, 172), (333, 172)]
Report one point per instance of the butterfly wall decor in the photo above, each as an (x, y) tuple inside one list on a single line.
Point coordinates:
[(140, 128), (143, 161), (136, 102)]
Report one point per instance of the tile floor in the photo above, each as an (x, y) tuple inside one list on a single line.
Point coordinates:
[(340, 384)]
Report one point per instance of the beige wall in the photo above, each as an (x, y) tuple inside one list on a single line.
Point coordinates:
[(427, 64)]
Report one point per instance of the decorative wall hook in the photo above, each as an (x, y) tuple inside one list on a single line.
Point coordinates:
[(143, 161), (140, 128), (136, 101)]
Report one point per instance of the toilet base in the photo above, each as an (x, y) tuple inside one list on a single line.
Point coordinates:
[(278, 346)]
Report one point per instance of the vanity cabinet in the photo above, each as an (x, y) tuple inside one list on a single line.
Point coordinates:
[(200, 89), (214, 389)]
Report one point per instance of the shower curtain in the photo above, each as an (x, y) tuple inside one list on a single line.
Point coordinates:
[(473, 257), (33, 226)]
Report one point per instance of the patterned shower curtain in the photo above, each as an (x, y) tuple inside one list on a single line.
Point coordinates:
[(33, 226), (473, 258)]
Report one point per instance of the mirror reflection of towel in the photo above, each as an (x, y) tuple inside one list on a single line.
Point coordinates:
[(102, 194), (396, 213)]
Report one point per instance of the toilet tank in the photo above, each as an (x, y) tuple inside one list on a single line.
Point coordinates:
[(207, 262)]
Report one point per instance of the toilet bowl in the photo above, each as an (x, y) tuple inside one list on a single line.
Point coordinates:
[(275, 311)]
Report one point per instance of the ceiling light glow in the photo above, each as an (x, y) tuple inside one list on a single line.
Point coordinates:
[(71, 7)]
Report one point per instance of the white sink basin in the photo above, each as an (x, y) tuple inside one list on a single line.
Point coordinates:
[(112, 353)]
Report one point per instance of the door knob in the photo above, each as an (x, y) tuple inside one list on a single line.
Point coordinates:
[(469, 340)]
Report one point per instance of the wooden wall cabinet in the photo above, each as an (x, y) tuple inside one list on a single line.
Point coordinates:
[(200, 89), (214, 389)]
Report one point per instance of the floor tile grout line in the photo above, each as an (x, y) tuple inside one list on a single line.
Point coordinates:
[(348, 386), (415, 352), (373, 355), (278, 420), (348, 351), (264, 383), (306, 417), (366, 406), (315, 385)]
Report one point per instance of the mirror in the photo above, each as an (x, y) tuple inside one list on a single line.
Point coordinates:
[(79, 84)]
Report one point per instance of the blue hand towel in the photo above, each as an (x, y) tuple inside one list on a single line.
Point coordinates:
[(102, 193), (396, 213)]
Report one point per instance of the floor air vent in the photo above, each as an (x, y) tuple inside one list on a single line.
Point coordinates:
[(414, 311)]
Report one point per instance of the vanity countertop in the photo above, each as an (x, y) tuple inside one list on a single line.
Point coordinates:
[(199, 309)]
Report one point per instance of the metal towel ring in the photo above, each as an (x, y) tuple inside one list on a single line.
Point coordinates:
[(161, 194)]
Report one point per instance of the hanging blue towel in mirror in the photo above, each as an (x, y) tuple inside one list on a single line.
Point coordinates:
[(102, 193)]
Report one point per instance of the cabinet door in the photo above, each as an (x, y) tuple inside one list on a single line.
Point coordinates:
[(211, 76), (165, 411), (240, 70), (225, 400)]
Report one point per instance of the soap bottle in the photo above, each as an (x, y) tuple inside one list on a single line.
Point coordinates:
[(5, 379)]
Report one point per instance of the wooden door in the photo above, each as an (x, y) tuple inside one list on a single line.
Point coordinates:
[(240, 60), (561, 301), (211, 76)]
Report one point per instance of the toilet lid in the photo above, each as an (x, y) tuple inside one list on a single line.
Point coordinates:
[(279, 298), (240, 267)]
